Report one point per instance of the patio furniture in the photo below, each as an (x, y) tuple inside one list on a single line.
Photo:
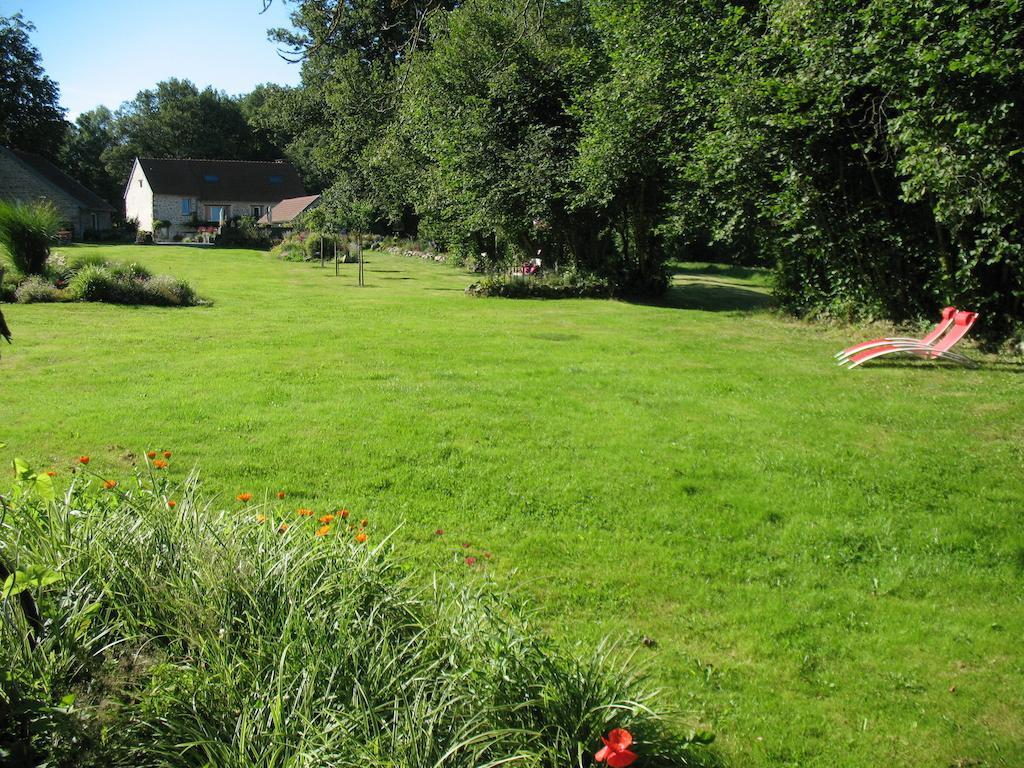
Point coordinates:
[(929, 338), (940, 349)]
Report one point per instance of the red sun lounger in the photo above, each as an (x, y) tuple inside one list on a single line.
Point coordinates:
[(929, 338), (962, 322)]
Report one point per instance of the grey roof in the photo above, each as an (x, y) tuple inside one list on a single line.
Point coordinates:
[(246, 180), (43, 167)]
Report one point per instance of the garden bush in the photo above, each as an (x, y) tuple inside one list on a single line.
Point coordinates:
[(569, 285), (36, 289), (26, 232), (129, 284), (330, 242), (292, 248), (175, 632), (243, 233), (142, 237)]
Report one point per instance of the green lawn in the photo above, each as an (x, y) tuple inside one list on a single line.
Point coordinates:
[(831, 563)]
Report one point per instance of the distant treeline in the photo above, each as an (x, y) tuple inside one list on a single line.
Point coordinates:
[(870, 151)]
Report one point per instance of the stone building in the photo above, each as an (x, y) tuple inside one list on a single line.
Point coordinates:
[(25, 177), (192, 193)]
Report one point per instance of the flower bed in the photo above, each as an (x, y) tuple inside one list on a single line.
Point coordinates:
[(165, 628)]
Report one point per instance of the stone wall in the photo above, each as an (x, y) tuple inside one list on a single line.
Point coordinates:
[(19, 183)]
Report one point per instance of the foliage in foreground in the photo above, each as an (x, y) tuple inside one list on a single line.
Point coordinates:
[(26, 231), (176, 633)]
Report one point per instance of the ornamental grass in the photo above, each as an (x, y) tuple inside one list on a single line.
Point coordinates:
[(174, 632)]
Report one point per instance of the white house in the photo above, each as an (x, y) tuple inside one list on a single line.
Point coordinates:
[(190, 193)]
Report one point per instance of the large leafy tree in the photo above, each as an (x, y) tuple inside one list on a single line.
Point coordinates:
[(30, 114), (177, 119), (89, 137)]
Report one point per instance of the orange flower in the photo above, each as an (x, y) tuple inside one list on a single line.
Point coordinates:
[(167, 454), (83, 459), (151, 454), (51, 473), (262, 519), (244, 497), (326, 519), (344, 514), (160, 464), (305, 512), (280, 494), (283, 527), (363, 523), (171, 503), (323, 530), (360, 537), (109, 484)]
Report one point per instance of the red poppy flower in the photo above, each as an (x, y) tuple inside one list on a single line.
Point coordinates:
[(151, 454), (439, 532), (360, 537), (83, 459), (487, 555), (110, 484), (280, 494), (160, 464), (465, 545), (470, 560), (51, 473), (616, 750), (167, 454), (171, 503), (344, 514), (244, 497)]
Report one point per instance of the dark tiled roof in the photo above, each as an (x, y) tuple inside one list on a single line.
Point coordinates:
[(286, 210), (57, 177), (242, 180)]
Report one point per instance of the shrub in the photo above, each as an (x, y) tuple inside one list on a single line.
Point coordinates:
[(36, 289), (142, 237), (165, 290), (242, 232), (26, 232), (290, 249), (569, 285), (330, 242), (214, 638), (130, 271), (95, 283)]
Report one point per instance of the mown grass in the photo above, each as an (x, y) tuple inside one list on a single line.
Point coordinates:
[(830, 563)]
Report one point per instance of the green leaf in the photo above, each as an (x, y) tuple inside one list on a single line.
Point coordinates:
[(32, 576), (21, 469), (44, 487)]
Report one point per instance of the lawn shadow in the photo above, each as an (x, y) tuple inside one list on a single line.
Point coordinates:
[(944, 366), (713, 296)]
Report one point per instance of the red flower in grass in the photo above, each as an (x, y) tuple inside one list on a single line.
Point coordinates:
[(83, 459), (616, 750), (303, 512), (360, 537), (470, 560), (171, 503), (244, 497), (167, 454), (465, 545), (363, 523), (280, 494), (51, 473), (325, 519), (282, 528), (110, 484), (344, 514), (323, 530), (150, 454), (487, 555), (439, 532), (160, 464)]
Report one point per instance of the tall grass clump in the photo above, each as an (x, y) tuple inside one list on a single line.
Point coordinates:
[(172, 632), (26, 232)]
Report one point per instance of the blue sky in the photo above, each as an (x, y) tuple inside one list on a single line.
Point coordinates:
[(106, 51)]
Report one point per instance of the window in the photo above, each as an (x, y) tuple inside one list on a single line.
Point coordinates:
[(211, 178), (275, 179), (257, 211), (186, 206), (217, 212), (140, 182), (94, 219)]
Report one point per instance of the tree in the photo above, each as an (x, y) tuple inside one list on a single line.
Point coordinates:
[(176, 119), (89, 137), (30, 116)]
